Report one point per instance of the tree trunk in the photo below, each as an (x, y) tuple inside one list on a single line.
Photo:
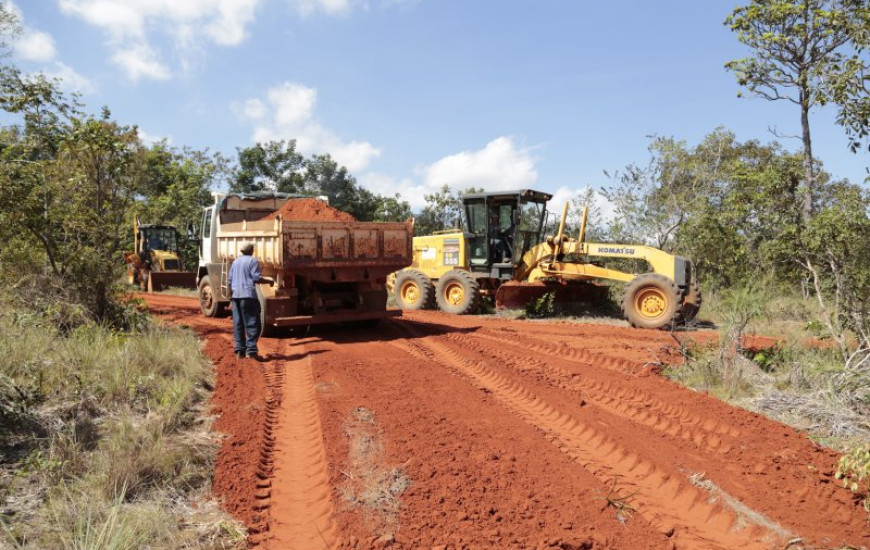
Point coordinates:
[(809, 173)]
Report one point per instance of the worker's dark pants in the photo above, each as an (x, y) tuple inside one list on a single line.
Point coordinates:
[(246, 324)]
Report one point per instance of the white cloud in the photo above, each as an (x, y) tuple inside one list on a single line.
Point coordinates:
[(329, 7), (140, 61), (150, 139), (187, 22), (38, 47), (499, 166), (288, 112), (70, 79), (35, 46)]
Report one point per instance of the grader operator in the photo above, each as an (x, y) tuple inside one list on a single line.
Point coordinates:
[(501, 251)]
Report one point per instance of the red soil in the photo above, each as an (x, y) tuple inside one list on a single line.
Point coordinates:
[(513, 434), (310, 210)]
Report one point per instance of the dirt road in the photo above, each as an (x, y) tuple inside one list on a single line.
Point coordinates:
[(437, 431)]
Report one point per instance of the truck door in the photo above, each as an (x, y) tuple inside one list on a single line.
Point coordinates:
[(205, 247)]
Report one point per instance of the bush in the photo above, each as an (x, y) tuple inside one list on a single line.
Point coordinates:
[(854, 469), (101, 437)]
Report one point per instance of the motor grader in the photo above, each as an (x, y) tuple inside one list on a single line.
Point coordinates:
[(501, 251), (155, 263)]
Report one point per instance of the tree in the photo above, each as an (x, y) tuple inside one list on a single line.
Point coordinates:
[(96, 177), (443, 210), (270, 166), (800, 48), (838, 258), (729, 206), (176, 184)]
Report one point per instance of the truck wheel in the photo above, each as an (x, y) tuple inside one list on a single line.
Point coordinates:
[(457, 292), (208, 302), (651, 301), (413, 290)]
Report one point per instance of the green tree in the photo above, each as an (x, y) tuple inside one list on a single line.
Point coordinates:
[(443, 210), (729, 206), (270, 166), (837, 256), (176, 184), (96, 177), (799, 49)]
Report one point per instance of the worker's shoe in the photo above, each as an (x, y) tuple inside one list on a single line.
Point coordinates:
[(240, 355), (256, 357)]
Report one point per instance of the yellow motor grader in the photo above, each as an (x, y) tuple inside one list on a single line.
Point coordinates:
[(501, 251), (155, 263)]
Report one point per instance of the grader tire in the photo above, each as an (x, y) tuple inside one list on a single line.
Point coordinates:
[(651, 301), (457, 292), (413, 290), (691, 304)]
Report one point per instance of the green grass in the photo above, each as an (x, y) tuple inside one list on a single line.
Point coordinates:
[(105, 440)]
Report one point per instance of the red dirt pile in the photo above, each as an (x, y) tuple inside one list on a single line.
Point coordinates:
[(310, 210)]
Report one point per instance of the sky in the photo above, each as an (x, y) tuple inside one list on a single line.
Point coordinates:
[(413, 94)]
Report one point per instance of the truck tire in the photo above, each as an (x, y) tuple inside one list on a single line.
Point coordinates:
[(457, 292), (651, 301), (266, 330), (413, 290), (208, 302)]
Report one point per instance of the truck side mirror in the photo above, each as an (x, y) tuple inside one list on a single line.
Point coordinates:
[(191, 233)]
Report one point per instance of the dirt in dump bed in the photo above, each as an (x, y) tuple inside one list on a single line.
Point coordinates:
[(310, 210)]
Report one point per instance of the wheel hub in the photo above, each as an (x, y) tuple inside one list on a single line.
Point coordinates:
[(651, 302), (454, 294), (410, 293)]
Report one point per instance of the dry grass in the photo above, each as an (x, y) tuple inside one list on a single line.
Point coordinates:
[(106, 441), (800, 385), (370, 484)]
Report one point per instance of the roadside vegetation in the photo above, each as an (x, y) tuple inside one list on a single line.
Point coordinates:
[(105, 437)]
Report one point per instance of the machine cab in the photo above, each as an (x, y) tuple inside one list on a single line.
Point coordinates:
[(501, 227), (157, 243)]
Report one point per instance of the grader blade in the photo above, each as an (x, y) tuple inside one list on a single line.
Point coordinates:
[(161, 280), (514, 294)]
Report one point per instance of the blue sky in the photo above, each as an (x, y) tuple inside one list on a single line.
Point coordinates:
[(411, 94)]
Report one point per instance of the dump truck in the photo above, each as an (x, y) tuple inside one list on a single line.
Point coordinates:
[(316, 269), (155, 263), (501, 251)]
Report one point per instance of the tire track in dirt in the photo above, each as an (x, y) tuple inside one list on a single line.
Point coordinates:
[(482, 477), (562, 351), (630, 403), (665, 500), (271, 470), (300, 495)]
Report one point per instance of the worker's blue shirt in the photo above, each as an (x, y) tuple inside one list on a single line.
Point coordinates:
[(244, 273)]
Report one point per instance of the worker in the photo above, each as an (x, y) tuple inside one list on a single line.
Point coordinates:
[(244, 274)]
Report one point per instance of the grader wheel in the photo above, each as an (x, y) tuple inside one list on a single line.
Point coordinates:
[(691, 303), (651, 301), (413, 290), (457, 292)]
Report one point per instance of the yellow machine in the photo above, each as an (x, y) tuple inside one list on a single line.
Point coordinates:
[(501, 251), (156, 264)]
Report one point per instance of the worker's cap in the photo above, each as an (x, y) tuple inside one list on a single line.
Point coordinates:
[(247, 249)]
